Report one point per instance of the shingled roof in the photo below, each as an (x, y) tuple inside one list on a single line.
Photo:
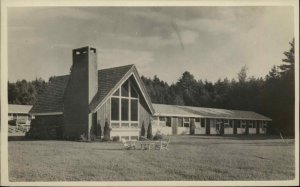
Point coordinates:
[(188, 111), (107, 79), (51, 101), (19, 109)]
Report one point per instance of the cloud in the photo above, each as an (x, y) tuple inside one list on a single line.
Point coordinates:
[(117, 57), (217, 41)]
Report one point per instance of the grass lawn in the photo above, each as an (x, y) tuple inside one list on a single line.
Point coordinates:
[(188, 158)]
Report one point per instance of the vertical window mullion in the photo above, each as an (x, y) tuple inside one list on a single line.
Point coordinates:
[(129, 104), (120, 107)]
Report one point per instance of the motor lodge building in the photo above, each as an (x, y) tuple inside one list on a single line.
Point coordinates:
[(82, 102)]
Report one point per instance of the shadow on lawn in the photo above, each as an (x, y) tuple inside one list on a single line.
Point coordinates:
[(236, 137)]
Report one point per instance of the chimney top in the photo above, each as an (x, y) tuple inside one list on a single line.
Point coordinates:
[(81, 50)]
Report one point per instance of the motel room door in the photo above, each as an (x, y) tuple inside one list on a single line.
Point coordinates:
[(174, 125)]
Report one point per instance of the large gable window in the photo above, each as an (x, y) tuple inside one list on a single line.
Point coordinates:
[(124, 106), (115, 108)]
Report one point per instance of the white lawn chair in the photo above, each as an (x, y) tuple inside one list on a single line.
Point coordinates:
[(163, 145), (127, 144)]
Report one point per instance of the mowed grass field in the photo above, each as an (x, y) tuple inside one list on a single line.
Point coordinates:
[(188, 158)]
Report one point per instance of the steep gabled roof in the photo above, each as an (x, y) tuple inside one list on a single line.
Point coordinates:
[(19, 109), (51, 101), (100, 98), (173, 110), (107, 80)]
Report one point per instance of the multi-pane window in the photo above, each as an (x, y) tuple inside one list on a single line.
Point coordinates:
[(186, 122), (250, 124), (124, 106), (115, 108), (226, 123), (168, 122), (238, 124), (134, 110), (264, 124), (162, 119), (243, 124), (202, 123)]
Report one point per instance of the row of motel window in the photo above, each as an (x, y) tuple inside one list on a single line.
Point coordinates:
[(186, 122), (14, 116), (124, 106)]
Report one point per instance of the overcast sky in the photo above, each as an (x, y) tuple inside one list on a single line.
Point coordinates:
[(210, 42)]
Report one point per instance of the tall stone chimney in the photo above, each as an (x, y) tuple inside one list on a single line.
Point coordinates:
[(81, 88)]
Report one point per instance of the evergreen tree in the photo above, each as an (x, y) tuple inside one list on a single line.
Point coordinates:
[(149, 131), (143, 129)]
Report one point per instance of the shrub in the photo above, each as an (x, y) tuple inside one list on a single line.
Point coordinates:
[(116, 138), (149, 131), (106, 132), (158, 136), (143, 130), (99, 133)]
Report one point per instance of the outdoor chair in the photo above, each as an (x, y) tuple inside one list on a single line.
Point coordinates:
[(127, 144), (162, 145)]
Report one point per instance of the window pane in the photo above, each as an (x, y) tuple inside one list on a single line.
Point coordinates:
[(116, 93), (114, 108), (115, 125), (125, 137), (168, 122), (124, 89), (134, 125), (155, 118), (186, 124), (133, 92), (125, 125), (162, 119), (125, 108), (197, 120), (134, 110), (186, 119)]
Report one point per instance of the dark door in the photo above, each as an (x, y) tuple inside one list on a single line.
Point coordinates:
[(207, 126), (257, 127), (247, 127), (234, 126)]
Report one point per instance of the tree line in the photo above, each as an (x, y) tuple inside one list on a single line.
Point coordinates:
[(272, 95)]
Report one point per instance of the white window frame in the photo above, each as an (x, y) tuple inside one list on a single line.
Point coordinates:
[(264, 124), (186, 122), (120, 97), (202, 119), (162, 118), (251, 124), (226, 123), (243, 124)]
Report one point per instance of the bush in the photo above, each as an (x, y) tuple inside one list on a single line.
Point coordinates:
[(116, 138), (143, 130), (158, 136), (149, 131), (106, 132)]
